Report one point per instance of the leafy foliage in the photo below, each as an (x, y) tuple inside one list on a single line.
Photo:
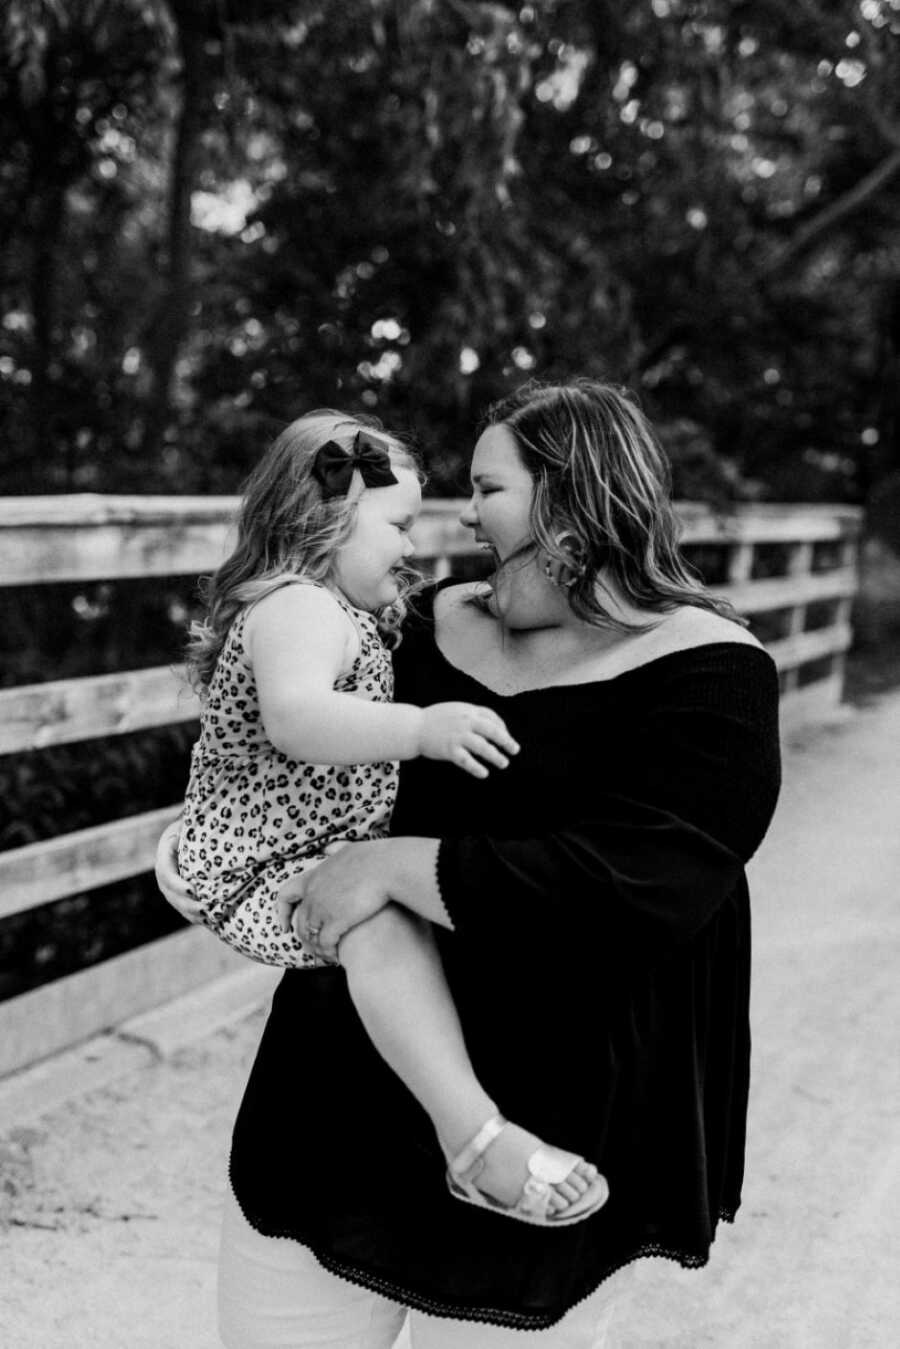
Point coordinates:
[(218, 215)]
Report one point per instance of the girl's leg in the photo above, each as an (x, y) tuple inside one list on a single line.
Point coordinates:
[(399, 988), (252, 927), (274, 1292)]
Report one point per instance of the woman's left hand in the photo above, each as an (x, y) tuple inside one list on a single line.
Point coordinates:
[(340, 893)]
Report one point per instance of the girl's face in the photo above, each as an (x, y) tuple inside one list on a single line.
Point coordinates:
[(365, 566)]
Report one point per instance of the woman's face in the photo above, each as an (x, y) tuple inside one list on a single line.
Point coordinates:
[(500, 514), (502, 489)]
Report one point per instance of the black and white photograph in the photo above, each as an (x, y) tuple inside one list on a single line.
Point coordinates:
[(449, 674)]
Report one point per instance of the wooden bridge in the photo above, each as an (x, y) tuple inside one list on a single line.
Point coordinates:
[(792, 570)]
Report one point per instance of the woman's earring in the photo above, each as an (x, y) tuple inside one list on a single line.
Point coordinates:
[(568, 573)]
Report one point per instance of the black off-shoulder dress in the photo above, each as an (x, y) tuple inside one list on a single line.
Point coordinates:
[(601, 965)]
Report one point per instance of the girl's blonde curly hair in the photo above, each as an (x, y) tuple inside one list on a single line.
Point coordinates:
[(287, 528)]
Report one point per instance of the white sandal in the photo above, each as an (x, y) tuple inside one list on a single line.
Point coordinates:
[(546, 1167)]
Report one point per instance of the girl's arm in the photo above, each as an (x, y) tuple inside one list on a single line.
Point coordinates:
[(298, 642)]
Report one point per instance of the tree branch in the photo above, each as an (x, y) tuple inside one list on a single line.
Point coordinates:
[(832, 215)]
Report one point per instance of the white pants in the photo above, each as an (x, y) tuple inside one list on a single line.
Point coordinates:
[(273, 1292)]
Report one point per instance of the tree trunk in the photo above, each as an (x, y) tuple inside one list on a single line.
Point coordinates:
[(888, 458), (48, 223), (170, 321)]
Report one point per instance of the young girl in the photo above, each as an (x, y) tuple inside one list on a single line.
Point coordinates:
[(298, 751)]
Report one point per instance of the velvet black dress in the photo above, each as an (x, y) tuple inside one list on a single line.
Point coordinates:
[(601, 965)]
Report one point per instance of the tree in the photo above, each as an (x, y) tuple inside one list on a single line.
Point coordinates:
[(407, 207), (74, 80)]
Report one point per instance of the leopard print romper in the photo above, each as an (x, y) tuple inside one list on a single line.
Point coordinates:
[(254, 817)]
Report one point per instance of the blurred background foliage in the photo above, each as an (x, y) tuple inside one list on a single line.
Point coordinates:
[(215, 215)]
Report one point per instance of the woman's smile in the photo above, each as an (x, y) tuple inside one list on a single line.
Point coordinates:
[(499, 510)]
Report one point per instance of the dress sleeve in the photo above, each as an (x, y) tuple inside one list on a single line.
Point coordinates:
[(642, 870)]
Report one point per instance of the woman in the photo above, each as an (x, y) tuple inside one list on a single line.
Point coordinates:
[(591, 910)]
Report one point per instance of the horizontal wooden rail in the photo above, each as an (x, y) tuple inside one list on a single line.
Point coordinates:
[(804, 647), (41, 872), (89, 538), (768, 523), (45, 1020), (787, 592), (34, 716)]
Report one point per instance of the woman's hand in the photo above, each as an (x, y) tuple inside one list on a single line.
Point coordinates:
[(168, 877), (348, 887)]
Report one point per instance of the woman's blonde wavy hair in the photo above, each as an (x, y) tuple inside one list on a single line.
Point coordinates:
[(602, 504), (287, 528)]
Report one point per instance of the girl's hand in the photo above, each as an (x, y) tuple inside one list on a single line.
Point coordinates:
[(464, 734), (340, 893), (168, 877)]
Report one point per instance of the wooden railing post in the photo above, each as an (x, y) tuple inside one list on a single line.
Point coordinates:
[(842, 615), (740, 563), (800, 559), (849, 551)]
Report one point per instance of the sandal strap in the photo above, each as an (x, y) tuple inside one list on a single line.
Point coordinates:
[(552, 1165), (546, 1167), (477, 1146)]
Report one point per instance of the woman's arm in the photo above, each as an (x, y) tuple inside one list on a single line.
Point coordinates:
[(630, 880), (630, 877), (639, 874)]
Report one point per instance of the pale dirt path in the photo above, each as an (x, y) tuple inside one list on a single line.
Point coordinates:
[(813, 1260), (111, 1202), (115, 1200)]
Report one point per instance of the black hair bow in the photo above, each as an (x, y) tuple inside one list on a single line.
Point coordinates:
[(333, 466)]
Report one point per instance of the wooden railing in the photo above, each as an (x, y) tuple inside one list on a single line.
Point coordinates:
[(790, 569)]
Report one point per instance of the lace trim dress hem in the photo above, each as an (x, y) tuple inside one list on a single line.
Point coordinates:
[(494, 1316)]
